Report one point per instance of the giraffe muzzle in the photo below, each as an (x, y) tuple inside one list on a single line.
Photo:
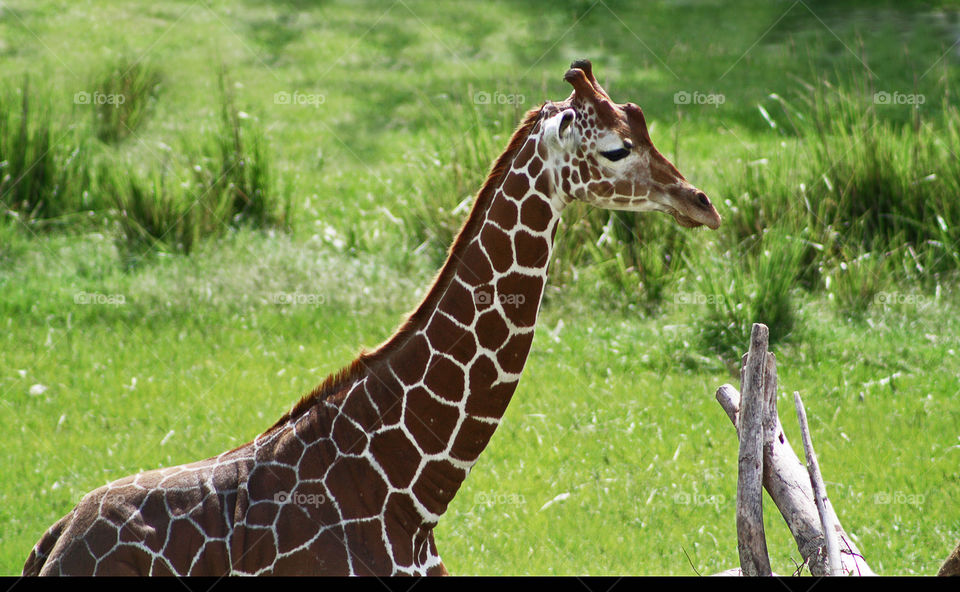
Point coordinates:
[(691, 208)]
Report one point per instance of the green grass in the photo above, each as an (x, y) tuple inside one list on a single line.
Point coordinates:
[(122, 99), (142, 247), (634, 436)]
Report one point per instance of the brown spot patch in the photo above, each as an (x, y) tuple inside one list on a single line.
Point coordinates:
[(105, 539), (387, 394), (159, 567), (430, 422), (445, 379), (482, 374), (262, 513), (601, 188), (438, 483), (348, 438), (344, 483), (516, 185), (536, 213), (253, 548), (318, 457), (475, 268), (329, 546), (472, 439), (211, 560), (266, 480), (446, 337), (292, 523), (624, 187), (584, 169), (497, 244), (411, 361), (370, 556), (525, 153), (521, 297), (483, 297), (542, 185), (458, 303), (360, 409), (503, 212), (513, 355), (396, 455), (531, 250), (494, 402), (491, 330), (401, 520), (184, 539), (536, 165)]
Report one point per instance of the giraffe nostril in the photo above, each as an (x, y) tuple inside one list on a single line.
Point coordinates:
[(702, 198)]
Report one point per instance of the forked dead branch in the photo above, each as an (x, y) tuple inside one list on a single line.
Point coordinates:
[(797, 491)]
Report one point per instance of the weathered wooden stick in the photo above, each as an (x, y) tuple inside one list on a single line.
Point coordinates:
[(827, 517), (786, 480), (773, 434), (751, 541)]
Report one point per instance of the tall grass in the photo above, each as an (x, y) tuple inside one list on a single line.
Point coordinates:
[(750, 286), (155, 214), (232, 168), (123, 98), (40, 164), (463, 143), (51, 168), (224, 181), (858, 199), (864, 180)]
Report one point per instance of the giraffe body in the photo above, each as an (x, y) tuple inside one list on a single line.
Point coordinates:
[(356, 476)]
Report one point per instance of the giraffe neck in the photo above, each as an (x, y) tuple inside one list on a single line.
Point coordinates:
[(389, 440), (452, 378)]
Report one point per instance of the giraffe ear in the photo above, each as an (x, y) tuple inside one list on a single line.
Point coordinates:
[(566, 118), (557, 128)]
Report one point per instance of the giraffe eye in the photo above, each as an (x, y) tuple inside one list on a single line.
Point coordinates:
[(617, 154)]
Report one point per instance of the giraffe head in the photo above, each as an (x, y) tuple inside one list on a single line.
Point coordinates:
[(605, 156)]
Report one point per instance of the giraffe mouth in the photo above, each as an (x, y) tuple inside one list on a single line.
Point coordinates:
[(685, 221), (694, 212)]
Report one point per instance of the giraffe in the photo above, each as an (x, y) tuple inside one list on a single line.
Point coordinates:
[(354, 478)]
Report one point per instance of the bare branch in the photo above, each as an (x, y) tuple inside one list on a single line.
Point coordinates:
[(827, 517), (751, 541)]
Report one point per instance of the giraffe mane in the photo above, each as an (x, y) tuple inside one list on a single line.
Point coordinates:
[(332, 387)]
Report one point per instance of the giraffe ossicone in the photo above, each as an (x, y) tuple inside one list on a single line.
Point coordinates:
[(356, 476)]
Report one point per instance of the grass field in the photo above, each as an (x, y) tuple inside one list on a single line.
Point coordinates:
[(138, 292)]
